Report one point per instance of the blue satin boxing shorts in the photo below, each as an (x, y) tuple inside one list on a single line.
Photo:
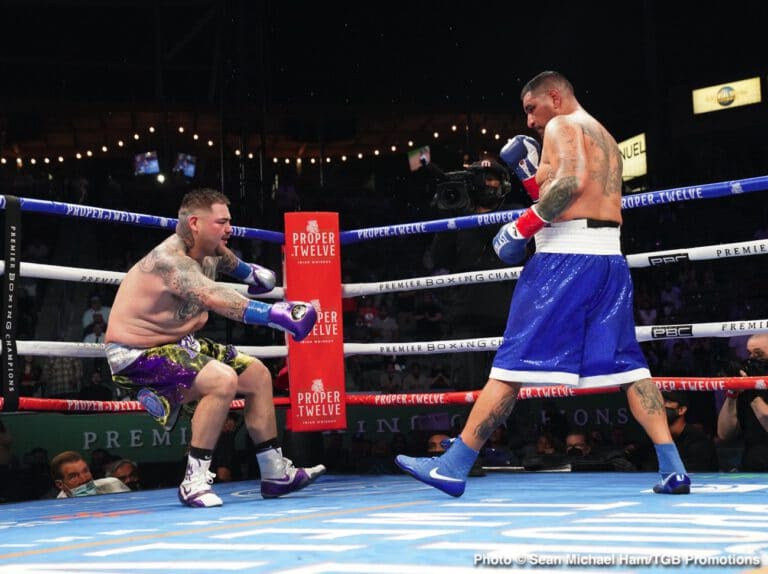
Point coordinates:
[(571, 322)]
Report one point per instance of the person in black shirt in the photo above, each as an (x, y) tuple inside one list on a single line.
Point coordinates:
[(696, 448), (480, 309), (745, 413)]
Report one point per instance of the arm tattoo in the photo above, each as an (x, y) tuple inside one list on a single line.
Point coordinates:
[(497, 417), (227, 261), (190, 286), (234, 303), (558, 197), (210, 265), (187, 282), (650, 397)]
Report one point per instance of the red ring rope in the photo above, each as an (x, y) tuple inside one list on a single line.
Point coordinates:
[(420, 399)]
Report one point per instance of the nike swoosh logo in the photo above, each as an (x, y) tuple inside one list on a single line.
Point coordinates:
[(437, 476), (286, 480)]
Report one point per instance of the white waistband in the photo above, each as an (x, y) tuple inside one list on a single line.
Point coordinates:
[(575, 237)]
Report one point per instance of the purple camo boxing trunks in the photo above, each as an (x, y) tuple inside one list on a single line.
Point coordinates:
[(170, 369)]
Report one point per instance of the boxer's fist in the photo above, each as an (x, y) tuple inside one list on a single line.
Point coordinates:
[(521, 154), (260, 279), (294, 317), (509, 245), (510, 242)]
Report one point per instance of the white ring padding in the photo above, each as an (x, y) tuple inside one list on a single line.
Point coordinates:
[(80, 275)]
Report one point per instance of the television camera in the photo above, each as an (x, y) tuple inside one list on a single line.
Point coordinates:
[(484, 184)]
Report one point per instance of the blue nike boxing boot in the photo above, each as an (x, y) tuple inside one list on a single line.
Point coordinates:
[(674, 479), (673, 483), (447, 472)]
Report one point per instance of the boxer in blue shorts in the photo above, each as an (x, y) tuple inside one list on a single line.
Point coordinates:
[(571, 317), (151, 348)]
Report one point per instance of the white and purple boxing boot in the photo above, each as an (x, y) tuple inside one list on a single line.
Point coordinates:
[(283, 478), (196, 490)]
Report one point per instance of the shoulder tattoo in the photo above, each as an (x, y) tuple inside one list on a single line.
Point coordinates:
[(182, 276)]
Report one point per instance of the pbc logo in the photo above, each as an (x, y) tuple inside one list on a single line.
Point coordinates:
[(671, 331), (666, 259)]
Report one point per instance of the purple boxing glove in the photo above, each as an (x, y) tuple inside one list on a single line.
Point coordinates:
[(260, 279), (294, 317)]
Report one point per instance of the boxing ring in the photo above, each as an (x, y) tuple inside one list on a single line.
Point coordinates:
[(542, 520)]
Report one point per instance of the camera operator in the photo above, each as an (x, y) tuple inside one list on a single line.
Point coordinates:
[(746, 412), (477, 310)]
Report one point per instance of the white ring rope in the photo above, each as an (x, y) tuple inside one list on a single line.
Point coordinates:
[(637, 260), (644, 333), (96, 350), (81, 275)]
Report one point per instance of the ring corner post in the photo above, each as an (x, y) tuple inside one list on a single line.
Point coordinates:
[(10, 381), (316, 364)]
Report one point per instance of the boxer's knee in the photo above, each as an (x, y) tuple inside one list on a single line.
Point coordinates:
[(218, 379), (256, 376)]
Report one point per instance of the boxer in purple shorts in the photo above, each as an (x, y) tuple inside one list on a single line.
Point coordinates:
[(169, 371), (151, 349), (571, 317)]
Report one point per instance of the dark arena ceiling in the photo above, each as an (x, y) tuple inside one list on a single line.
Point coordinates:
[(294, 80)]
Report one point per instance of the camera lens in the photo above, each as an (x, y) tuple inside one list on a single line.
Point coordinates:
[(452, 196)]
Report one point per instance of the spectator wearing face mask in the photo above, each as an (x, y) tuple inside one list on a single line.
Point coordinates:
[(73, 477), (581, 455), (127, 471), (744, 414), (696, 448)]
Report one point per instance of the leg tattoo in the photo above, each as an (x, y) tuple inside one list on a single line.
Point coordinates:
[(650, 397), (496, 417)]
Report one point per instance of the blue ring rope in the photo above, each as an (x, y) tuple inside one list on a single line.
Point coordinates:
[(648, 199), (140, 219)]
